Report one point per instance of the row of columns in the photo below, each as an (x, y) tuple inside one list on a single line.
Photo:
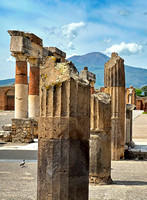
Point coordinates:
[(26, 95)]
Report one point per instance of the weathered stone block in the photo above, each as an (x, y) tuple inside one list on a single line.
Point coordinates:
[(23, 131), (64, 126), (100, 139), (64, 169)]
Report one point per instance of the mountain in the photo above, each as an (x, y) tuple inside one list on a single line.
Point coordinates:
[(95, 62), (7, 82)]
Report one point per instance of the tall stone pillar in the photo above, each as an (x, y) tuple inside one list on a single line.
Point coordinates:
[(115, 86), (34, 105), (64, 130), (21, 86), (100, 139), (129, 110)]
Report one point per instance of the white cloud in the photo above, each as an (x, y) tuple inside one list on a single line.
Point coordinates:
[(72, 30), (124, 12), (11, 59), (71, 46), (125, 49), (74, 54), (107, 41)]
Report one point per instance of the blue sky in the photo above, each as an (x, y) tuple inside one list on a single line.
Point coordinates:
[(77, 27)]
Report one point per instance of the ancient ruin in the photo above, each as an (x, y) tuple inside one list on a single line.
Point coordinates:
[(100, 139), (130, 95), (114, 81), (64, 131), (7, 94)]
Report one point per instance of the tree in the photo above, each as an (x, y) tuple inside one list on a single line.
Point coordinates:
[(138, 91), (144, 89)]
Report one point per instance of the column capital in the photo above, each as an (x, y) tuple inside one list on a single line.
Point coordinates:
[(20, 56), (34, 62)]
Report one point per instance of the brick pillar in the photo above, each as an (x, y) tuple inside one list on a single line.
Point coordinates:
[(100, 139), (34, 88), (115, 86), (21, 87), (64, 126)]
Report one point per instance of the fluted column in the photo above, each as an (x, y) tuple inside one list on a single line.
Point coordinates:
[(115, 86), (34, 87), (21, 86), (64, 126), (100, 139)]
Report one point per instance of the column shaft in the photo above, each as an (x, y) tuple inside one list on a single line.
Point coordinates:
[(34, 92), (21, 90)]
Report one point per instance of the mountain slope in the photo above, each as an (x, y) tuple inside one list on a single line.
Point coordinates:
[(95, 62), (7, 82)]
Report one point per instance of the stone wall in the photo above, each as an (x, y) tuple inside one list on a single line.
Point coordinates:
[(23, 130)]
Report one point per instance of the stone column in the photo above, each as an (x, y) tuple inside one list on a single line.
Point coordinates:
[(100, 139), (34, 105), (64, 130), (129, 110), (115, 86), (21, 86)]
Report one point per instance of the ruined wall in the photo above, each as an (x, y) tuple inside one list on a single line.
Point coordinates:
[(23, 130), (114, 81), (7, 98)]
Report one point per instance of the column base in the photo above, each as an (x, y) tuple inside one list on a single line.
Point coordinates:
[(100, 181)]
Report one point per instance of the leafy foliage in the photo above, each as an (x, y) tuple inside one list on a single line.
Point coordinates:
[(138, 91), (144, 89)]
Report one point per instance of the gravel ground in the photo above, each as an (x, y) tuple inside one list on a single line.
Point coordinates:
[(130, 179)]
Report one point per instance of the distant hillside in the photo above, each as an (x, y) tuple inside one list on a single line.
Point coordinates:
[(7, 82), (95, 62)]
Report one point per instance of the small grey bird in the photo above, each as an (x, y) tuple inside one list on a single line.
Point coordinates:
[(22, 163)]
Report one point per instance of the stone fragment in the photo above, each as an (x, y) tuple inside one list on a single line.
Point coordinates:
[(6, 127), (100, 139), (6, 136)]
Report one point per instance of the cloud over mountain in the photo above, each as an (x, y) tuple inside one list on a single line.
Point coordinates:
[(125, 49)]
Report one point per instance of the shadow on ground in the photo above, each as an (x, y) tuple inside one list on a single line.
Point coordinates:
[(130, 183)]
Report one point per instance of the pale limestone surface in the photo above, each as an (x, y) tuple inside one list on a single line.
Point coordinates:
[(140, 127), (21, 100), (130, 178)]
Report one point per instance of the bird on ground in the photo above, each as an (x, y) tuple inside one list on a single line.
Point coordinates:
[(22, 163)]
